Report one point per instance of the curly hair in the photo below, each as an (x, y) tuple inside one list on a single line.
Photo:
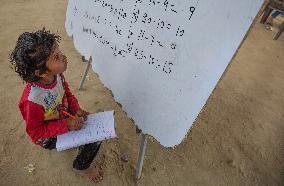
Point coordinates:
[(31, 53)]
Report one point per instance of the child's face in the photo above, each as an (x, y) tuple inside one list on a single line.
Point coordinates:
[(57, 62)]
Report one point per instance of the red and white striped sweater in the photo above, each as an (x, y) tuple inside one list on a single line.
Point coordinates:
[(41, 107)]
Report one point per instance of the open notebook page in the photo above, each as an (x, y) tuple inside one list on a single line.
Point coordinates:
[(98, 127)]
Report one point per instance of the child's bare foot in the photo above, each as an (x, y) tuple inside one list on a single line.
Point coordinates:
[(93, 173)]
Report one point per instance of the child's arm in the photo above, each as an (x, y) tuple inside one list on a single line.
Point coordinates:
[(71, 99), (36, 127), (73, 102)]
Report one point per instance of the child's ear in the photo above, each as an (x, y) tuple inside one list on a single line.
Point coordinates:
[(39, 74)]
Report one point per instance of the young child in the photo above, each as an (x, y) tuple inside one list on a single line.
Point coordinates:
[(39, 62)]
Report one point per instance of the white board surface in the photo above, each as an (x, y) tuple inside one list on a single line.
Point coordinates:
[(161, 58)]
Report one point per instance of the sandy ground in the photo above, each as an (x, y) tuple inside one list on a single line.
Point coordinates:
[(235, 140)]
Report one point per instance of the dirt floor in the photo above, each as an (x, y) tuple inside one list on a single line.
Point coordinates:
[(236, 139)]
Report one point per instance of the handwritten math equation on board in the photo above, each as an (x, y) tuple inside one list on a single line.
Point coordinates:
[(147, 30)]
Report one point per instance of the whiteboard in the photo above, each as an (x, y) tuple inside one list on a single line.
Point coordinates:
[(160, 58)]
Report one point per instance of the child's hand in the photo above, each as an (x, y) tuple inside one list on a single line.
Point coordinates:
[(82, 113), (75, 124)]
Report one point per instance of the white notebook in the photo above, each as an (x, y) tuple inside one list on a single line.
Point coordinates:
[(99, 126)]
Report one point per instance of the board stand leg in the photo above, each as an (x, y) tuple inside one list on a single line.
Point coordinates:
[(143, 145), (87, 67)]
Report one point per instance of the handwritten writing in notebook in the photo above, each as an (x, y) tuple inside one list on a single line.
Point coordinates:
[(99, 126)]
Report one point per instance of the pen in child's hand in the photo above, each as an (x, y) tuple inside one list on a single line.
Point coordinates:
[(70, 115)]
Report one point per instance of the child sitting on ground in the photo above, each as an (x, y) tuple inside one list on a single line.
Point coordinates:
[(39, 62)]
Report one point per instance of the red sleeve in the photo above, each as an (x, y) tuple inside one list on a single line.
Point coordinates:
[(36, 127), (73, 104)]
